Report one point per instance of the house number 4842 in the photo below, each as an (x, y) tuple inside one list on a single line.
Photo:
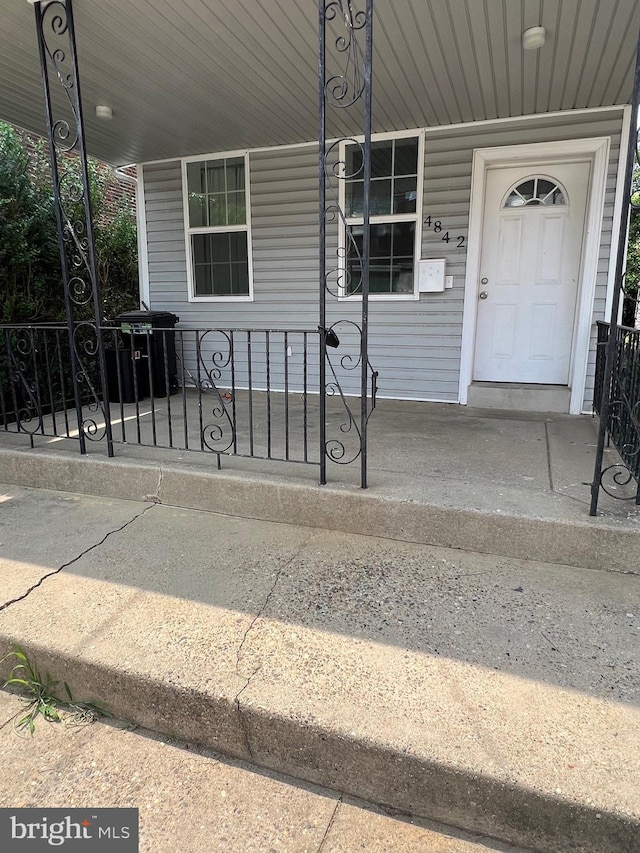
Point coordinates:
[(437, 228)]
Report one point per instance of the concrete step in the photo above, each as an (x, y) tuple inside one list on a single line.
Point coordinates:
[(486, 517), (193, 801), (496, 695), (519, 397)]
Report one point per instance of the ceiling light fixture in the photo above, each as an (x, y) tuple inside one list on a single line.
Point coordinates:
[(104, 112), (534, 38)]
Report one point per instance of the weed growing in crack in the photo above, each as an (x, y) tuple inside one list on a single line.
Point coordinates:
[(41, 699)]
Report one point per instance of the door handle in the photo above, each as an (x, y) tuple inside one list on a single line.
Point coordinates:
[(483, 294)]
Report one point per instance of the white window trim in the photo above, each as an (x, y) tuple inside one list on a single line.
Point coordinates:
[(219, 229), (398, 217)]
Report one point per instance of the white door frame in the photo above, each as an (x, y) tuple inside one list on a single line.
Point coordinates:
[(536, 155)]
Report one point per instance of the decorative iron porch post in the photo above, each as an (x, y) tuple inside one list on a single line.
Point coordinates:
[(622, 474), (58, 61), (344, 82)]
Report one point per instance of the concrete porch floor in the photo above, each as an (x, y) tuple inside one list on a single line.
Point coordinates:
[(510, 483), (508, 458)]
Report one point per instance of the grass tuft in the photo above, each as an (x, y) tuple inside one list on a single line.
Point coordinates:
[(42, 700)]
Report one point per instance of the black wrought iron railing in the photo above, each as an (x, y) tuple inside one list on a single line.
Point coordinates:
[(623, 415), (243, 392), (235, 391), (36, 385)]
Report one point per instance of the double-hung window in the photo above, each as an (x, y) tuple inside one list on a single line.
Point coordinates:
[(217, 227), (394, 210)]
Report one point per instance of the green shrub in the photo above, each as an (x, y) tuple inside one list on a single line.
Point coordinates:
[(30, 273)]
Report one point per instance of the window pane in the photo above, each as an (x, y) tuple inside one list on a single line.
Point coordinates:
[(381, 240), (215, 176), (353, 158), (402, 276), (201, 248), (354, 252), (354, 199), (219, 247), (380, 275), (236, 210), (197, 211), (404, 239), (238, 246), (196, 182), (544, 187), (534, 192), (221, 279), (404, 195), (406, 159), (556, 197), (240, 279), (203, 280), (515, 200), (391, 265), (217, 210), (526, 190), (380, 198), (235, 174), (221, 265), (381, 156)]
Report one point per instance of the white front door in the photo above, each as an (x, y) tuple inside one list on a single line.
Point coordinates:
[(529, 272)]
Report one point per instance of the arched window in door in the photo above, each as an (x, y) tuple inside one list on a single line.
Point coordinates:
[(534, 191)]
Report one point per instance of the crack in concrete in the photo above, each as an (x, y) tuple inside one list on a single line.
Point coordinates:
[(156, 498), (330, 824), (284, 566), (548, 443), (75, 559), (243, 720)]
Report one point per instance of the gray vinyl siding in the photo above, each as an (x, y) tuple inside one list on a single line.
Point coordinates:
[(415, 345)]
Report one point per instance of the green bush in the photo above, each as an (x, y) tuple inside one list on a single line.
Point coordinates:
[(30, 272), (29, 258), (632, 277)]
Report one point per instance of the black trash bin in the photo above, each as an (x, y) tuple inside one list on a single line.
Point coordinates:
[(153, 343), (122, 366)]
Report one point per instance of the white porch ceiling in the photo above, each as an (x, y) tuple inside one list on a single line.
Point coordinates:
[(210, 75)]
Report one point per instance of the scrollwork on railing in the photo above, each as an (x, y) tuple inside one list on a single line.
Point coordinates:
[(348, 446), (345, 41), (345, 86), (614, 478), (339, 279), (85, 350), (214, 354), (56, 39), (344, 79), (23, 384), (623, 412)]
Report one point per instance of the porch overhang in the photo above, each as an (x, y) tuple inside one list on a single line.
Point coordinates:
[(192, 77)]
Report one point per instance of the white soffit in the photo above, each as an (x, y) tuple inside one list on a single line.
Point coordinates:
[(194, 76)]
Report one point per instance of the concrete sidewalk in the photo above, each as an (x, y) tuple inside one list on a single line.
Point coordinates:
[(493, 694), (194, 801)]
